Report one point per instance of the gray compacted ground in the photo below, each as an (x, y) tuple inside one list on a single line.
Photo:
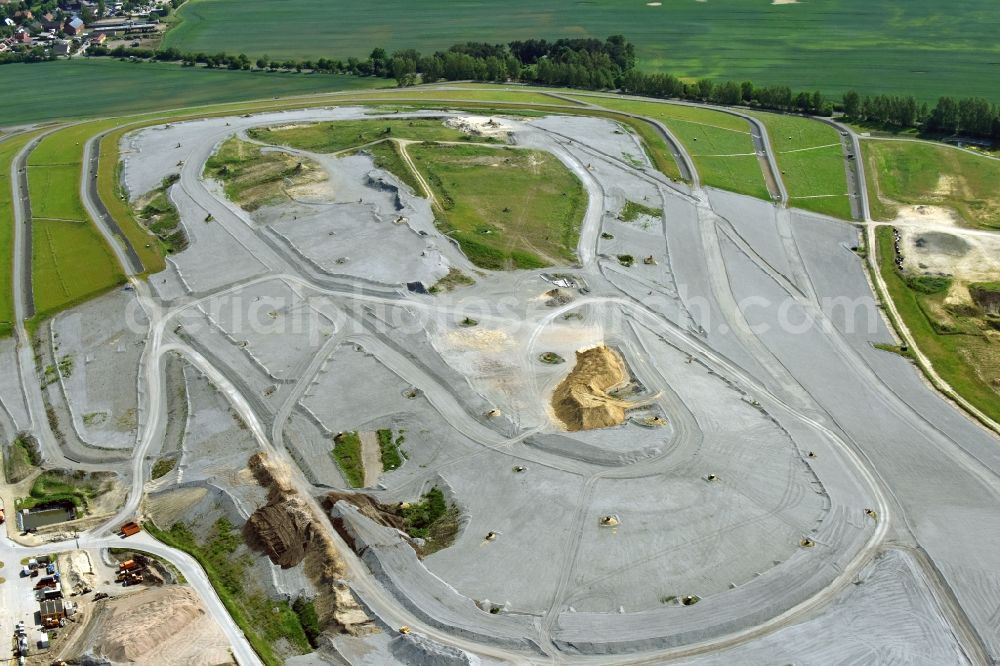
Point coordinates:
[(749, 330)]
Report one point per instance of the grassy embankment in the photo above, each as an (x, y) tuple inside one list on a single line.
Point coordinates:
[(9, 148), (917, 172), (267, 623), (332, 137), (70, 260), (811, 160), (955, 340), (719, 144), (507, 208)]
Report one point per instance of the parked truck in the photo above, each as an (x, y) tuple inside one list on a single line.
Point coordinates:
[(129, 528)]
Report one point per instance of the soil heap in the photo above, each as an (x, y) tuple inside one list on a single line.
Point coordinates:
[(288, 531), (142, 625), (581, 401)]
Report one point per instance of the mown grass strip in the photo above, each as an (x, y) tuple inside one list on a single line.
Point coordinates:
[(719, 143), (811, 160)]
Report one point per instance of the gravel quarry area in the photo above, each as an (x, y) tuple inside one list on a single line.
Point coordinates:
[(682, 447)]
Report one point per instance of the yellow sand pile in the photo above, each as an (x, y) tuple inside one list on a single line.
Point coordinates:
[(581, 401)]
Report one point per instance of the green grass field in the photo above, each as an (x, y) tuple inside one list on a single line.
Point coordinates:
[(811, 161), (70, 264), (506, 208), (8, 149), (719, 143), (70, 260), (102, 86), (950, 353), (336, 136), (915, 172), (922, 47)]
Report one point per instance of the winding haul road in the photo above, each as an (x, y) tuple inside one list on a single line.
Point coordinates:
[(384, 605)]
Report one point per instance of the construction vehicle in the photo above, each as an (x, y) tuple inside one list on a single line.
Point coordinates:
[(127, 565), (2, 517), (128, 529), (405, 629)]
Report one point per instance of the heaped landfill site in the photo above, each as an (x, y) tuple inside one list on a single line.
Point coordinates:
[(445, 385)]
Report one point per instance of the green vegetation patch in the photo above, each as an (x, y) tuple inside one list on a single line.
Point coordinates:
[(633, 210), (77, 488), (719, 143), (159, 215), (918, 172), (454, 278), (340, 135), (273, 627), (253, 178), (392, 455), (347, 454), (432, 520), (163, 466), (21, 458), (928, 284), (955, 344), (811, 160), (507, 208)]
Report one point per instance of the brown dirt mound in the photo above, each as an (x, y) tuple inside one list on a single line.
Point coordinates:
[(581, 401), (288, 531), (141, 626), (283, 530)]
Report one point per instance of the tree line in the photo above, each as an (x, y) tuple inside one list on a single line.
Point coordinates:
[(971, 116), (602, 65)]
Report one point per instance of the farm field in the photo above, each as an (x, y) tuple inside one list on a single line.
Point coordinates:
[(109, 87), (811, 161), (505, 207), (921, 46), (917, 172), (950, 353), (9, 147), (719, 143)]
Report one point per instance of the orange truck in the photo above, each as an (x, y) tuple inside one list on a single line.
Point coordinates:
[(128, 529), (127, 565)]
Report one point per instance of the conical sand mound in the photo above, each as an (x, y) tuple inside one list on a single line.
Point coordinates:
[(581, 401)]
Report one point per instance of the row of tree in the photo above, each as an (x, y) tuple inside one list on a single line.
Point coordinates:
[(971, 116)]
